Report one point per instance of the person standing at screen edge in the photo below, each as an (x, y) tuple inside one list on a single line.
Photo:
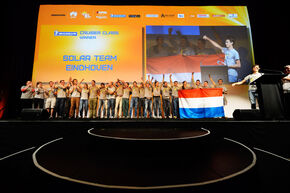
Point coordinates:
[(26, 95), (286, 89), (232, 57), (252, 88)]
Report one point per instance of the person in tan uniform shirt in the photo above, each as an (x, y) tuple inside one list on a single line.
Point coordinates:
[(125, 99), (156, 100), (185, 84), (102, 100), (75, 92), (61, 97), (134, 99), (174, 97), (51, 99), (141, 102), (148, 94), (165, 89), (112, 100), (84, 100), (93, 94), (119, 95)]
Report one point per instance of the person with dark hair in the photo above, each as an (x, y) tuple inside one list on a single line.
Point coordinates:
[(84, 100), (39, 96), (183, 47), (134, 100), (51, 99), (232, 57), (148, 92), (220, 85), (156, 100), (75, 92), (205, 84), (125, 99), (253, 94), (93, 94), (61, 97), (160, 49), (103, 91), (141, 102), (119, 95), (174, 97), (185, 84), (165, 91), (26, 95), (112, 100), (200, 48), (196, 84)]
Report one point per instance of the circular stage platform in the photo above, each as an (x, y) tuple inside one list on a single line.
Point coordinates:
[(148, 160)]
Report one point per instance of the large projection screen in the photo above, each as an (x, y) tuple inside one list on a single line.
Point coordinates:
[(106, 43)]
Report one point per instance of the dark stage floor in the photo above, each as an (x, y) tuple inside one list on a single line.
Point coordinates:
[(75, 149)]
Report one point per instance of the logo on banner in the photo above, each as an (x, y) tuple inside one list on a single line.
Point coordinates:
[(58, 33), (73, 14), (86, 15)]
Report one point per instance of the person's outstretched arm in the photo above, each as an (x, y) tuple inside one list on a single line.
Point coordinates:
[(212, 42)]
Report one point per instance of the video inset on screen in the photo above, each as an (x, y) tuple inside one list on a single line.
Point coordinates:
[(181, 50)]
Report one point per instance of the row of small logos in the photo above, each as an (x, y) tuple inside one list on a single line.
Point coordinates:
[(104, 15)]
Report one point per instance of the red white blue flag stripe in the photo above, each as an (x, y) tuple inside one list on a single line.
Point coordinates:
[(201, 103)]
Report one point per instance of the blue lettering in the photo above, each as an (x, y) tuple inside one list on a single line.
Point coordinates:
[(105, 58), (76, 58), (93, 67)]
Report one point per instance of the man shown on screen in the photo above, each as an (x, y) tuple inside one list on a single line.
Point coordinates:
[(232, 58)]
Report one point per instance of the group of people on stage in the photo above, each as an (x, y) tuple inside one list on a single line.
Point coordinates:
[(111, 100), (75, 99)]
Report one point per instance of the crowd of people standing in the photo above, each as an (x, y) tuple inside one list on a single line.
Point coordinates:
[(119, 99)]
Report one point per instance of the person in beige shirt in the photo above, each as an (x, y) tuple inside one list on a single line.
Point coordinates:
[(148, 94), (93, 94), (174, 97), (156, 100), (220, 85), (26, 96), (119, 95), (141, 102), (61, 89), (84, 100), (165, 90), (112, 100), (39, 96), (102, 100), (134, 99), (51, 99), (185, 84), (75, 92), (125, 99)]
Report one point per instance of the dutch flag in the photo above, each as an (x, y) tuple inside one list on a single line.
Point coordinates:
[(201, 103)]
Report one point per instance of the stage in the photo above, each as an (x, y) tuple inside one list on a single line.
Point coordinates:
[(107, 155)]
